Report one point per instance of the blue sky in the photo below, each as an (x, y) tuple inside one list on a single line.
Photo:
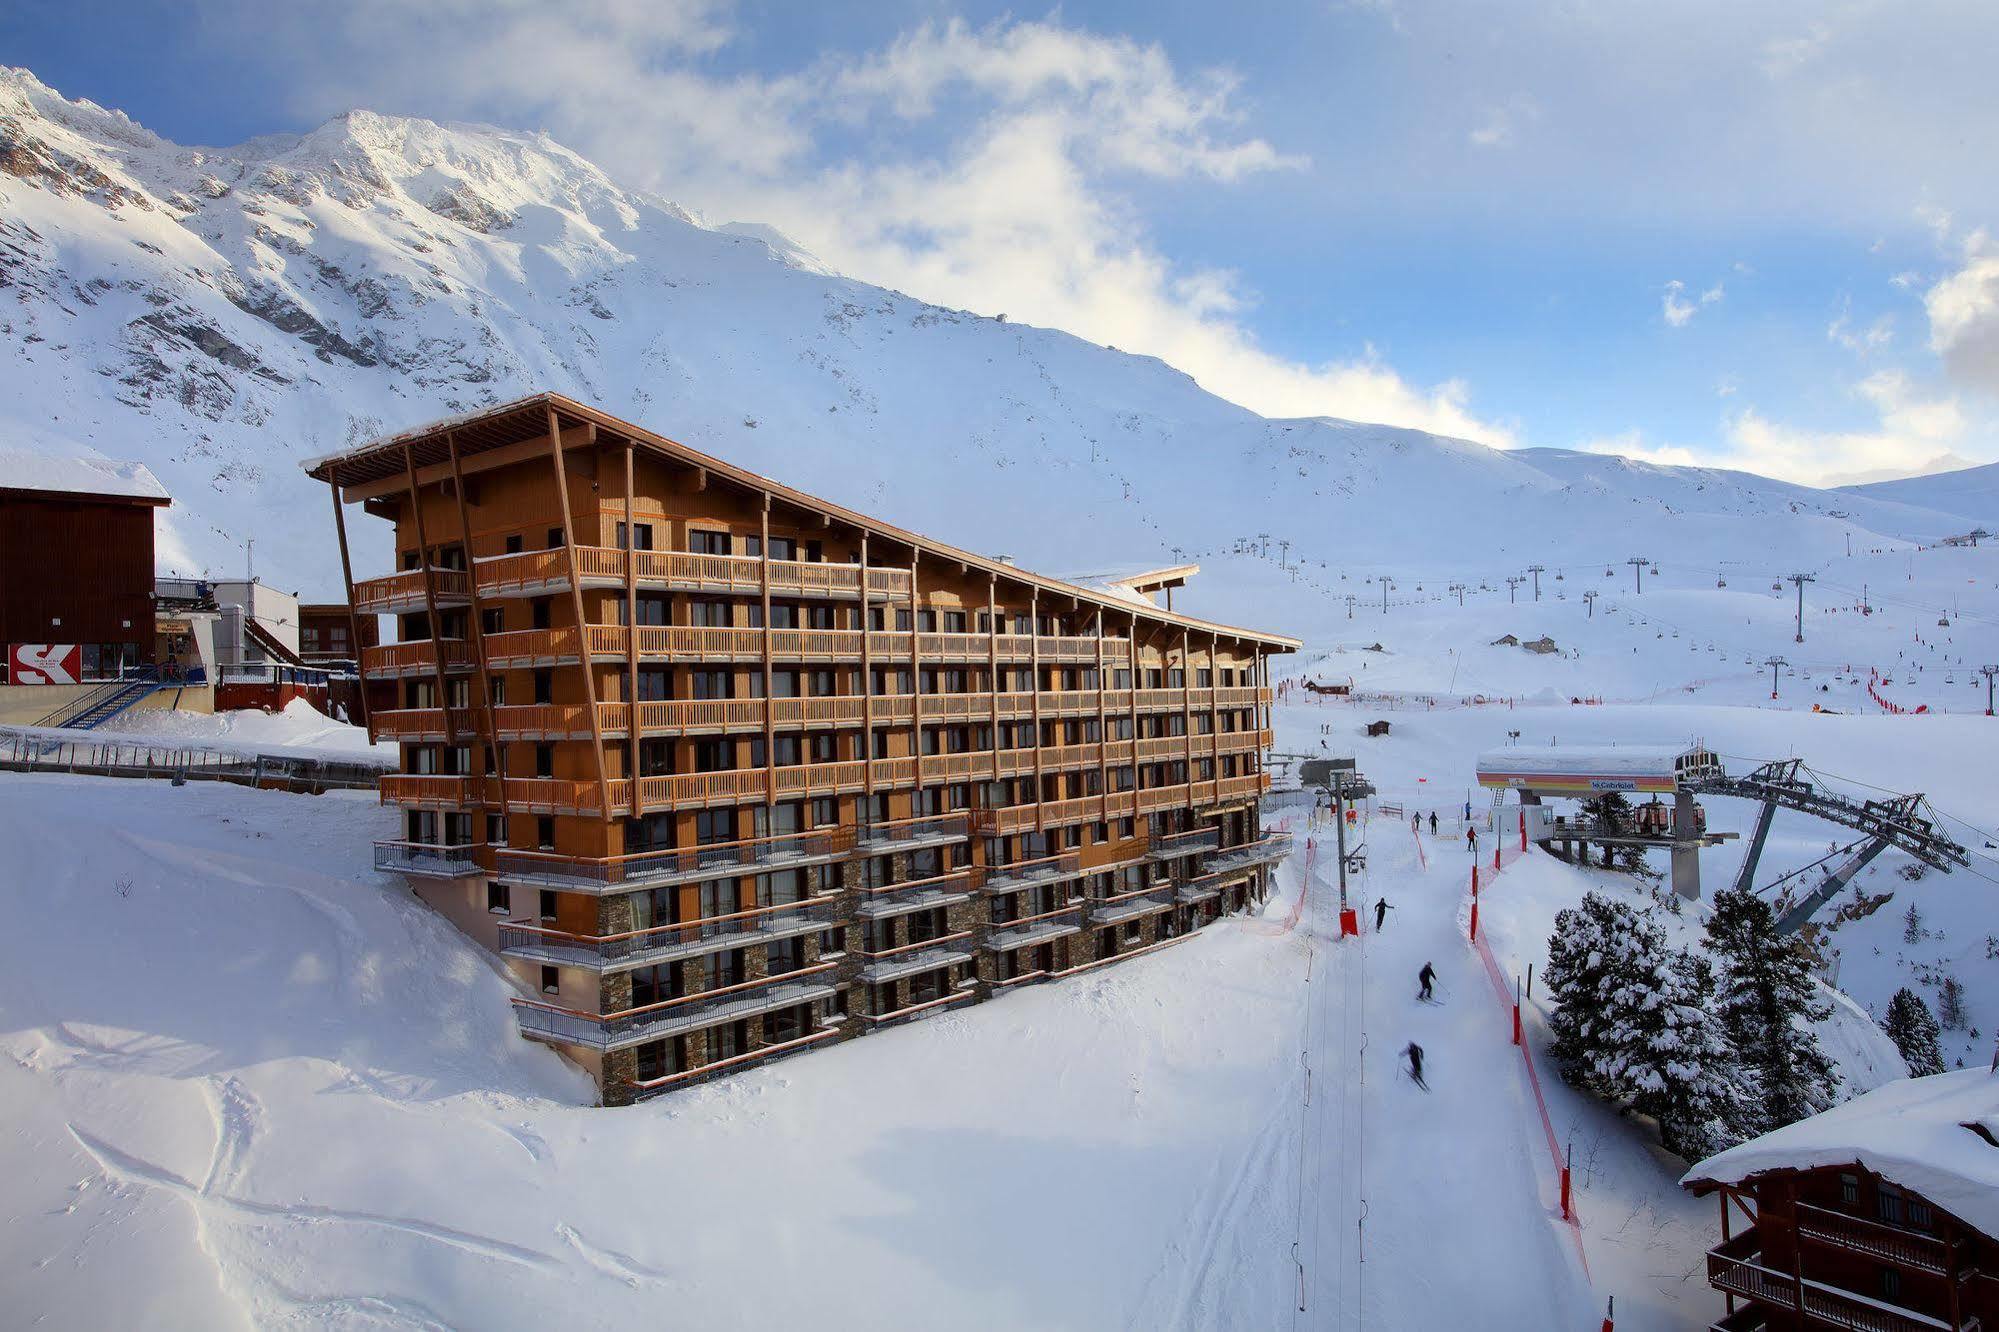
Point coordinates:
[(1752, 235)]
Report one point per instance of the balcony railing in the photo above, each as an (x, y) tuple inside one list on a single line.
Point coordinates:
[(416, 657), (648, 869), (1737, 1267), (537, 943), (1171, 846), (706, 1008), (530, 572), (428, 860), (398, 593), (906, 834), (1892, 1244), (426, 723), (1154, 897), (1011, 878), (1263, 851), (1207, 885), (435, 790)]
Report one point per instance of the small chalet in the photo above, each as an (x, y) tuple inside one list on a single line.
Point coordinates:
[(1881, 1214)]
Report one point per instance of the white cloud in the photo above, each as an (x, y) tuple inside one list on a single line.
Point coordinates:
[(1910, 430), (993, 171), (1963, 309), (1785, 56), (1678, 309), (1859, 341)]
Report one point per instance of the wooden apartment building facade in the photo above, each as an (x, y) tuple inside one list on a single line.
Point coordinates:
[(729, 772)]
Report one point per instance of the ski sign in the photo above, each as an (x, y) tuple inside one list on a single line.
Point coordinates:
[(44, 663)]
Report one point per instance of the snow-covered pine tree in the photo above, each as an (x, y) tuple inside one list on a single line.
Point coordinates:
[(1701, 1106), (1912, 925), (1914, 1032), (1634, 1024), (1950, 1005), (1589, 941), (1767, 1001)]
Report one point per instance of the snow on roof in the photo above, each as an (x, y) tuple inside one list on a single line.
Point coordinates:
[(1917, 1132), (79, 476), (1577, 760), (1132, 582)]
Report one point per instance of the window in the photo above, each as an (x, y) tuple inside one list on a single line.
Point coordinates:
[(496, 830), (712, 684), (499, 899), (825, 811), (954, 622), (785, 955), (538, 609), (544, 760), (833, 942), (708, 543), (555, 540), (643, 534), (658, 1059), (655, 684), (544, 832), (655, 609), (551, 981), (547, 904), (655, 758), (708, 614), (782, 548), (513, 544), (1849, 1189), (1888, 1204)]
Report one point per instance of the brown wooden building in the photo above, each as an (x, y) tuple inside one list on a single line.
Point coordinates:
[(728, 771), (1877, 1216), (326, 633), (76, 558)]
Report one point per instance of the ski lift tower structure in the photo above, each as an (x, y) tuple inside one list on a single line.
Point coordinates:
[(1342, 783)]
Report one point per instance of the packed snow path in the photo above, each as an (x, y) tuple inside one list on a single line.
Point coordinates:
[(1420, 1206)]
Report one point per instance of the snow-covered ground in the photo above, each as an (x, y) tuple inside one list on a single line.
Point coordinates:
[(250, 1082), (299, 728)]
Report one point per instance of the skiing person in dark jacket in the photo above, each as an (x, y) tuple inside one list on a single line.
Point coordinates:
[(1415, 1056), (1428, 977), (1381, 910), (1471, 839), (1433, 823)]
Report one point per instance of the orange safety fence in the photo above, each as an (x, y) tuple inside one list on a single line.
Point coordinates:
[(1508, 1004)]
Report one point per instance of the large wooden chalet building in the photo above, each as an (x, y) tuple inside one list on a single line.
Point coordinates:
[(1880, 1215), (727, 771)]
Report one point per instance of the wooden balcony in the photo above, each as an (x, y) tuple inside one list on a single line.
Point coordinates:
[(598, 875), (1737, 1268), (435, 791), (403, 593), (665, 943), (417, 657), (542, 572), (1912, 1249), (427, 724), (691, 1012)]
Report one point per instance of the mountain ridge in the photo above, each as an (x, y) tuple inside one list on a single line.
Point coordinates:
[(223, 314)]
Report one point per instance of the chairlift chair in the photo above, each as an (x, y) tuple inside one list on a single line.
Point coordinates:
[(1721, 582)]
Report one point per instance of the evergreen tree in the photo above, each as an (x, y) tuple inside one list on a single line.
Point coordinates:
[(1914, 1032), (1701, 1106), (1950, 1005), (1634, 1024), (1767, 1001), (1912, 925)]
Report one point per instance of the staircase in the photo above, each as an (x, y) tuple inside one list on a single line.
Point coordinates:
[(103, 703)]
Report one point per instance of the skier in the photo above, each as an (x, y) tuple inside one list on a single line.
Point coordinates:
[(1471, 839), (1416, 823), (1415, 1055), (1428, 977), (1433, 823), (1381, 910)]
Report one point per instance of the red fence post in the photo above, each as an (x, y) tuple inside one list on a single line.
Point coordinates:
[(1516, 1010), (1495, 860), (1609, 1313), (1523, 828), (1474, 918), (1568, 1162)]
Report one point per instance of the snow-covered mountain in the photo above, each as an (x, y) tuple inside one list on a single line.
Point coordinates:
[(1972, 493), (221, 314)]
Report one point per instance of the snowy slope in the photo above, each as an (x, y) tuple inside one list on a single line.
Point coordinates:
[(1972, 493), (221, 314)]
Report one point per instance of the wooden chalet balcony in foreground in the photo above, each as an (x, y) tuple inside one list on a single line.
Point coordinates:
[(726, 772), (1737, 1267)]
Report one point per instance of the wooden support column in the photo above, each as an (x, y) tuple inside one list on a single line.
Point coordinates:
[(992, 667), (353, 618), (582, 625), (867, 682), (1215, 708), (430, 599), (1103, 729), (1187, 707), (1132, 704), (494, 753), (637, 801), (1034, 656), (770, 679), (915, 676)]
